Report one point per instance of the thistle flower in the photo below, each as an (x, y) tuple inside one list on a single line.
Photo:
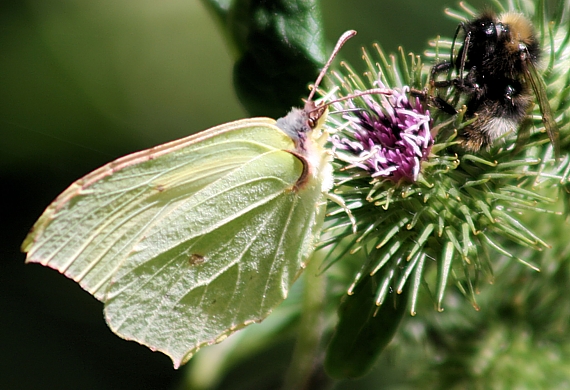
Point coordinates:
[(425, 216), (389, 139)]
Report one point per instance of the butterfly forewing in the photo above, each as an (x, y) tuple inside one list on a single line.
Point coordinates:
[(84, 231)]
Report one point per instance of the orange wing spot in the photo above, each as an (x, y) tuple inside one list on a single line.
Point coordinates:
[(196, 259)]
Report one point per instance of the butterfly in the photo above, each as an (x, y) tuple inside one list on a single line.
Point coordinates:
[(192, 240)]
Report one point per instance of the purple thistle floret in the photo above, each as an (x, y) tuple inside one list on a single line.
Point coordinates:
[(389, 139)]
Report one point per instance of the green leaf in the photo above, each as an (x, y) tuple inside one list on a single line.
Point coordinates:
[(364, 330), (279, 47)]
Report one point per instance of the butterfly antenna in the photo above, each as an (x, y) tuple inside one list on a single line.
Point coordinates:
[(372, 91), (341, 41)]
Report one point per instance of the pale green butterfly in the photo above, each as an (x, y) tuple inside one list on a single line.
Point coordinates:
[(189, 241)]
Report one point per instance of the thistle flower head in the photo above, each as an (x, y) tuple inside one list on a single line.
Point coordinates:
[(417, 204), (388, 139)]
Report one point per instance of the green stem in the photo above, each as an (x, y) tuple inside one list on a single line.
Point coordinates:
[(304, 359)]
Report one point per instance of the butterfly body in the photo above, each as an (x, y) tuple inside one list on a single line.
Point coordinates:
[(189, 241)]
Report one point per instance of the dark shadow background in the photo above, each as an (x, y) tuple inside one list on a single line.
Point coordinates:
[(84, 82)]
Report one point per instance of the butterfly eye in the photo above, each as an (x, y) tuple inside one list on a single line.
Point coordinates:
[(316, 115)]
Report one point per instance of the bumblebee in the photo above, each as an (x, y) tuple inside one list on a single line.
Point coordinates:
[(495, 69)]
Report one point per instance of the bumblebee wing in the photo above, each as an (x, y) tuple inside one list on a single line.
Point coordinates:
[(539, 89)]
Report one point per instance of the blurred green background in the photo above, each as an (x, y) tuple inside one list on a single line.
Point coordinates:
[(84, 82)]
